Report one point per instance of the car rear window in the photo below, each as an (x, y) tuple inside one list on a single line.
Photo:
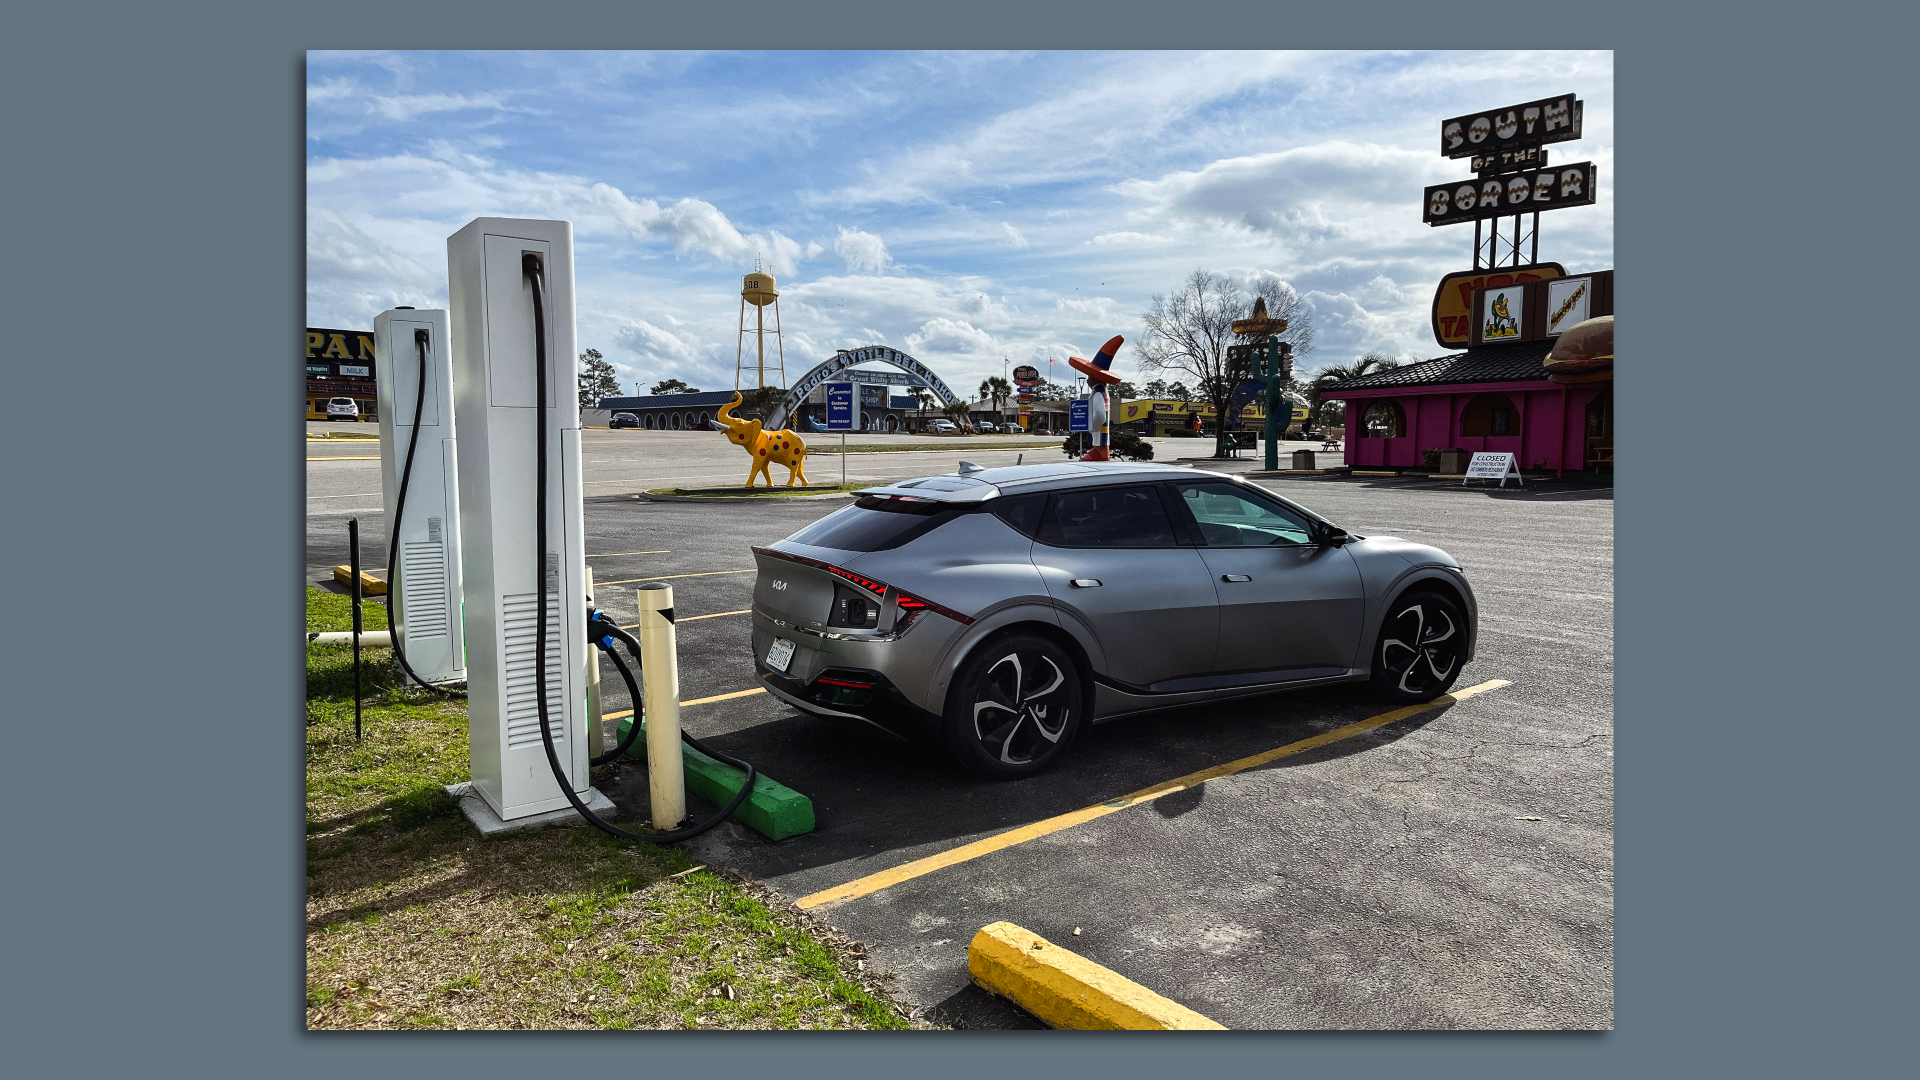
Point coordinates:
[(1109, 517), (874, 524)]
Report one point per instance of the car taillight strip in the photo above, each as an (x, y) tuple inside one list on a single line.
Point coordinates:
[(878, 588)]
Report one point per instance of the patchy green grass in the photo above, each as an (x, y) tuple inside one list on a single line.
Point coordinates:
[(414, 921)]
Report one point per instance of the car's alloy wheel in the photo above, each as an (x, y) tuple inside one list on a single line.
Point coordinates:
[(1015, 707), (1421, 647)]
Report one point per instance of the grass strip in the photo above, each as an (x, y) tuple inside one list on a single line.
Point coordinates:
[(414, 921)]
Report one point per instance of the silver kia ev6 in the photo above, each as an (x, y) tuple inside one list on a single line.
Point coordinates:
[(997, 611)]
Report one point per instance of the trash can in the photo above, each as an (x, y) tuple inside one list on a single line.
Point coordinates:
[(1303, 459)]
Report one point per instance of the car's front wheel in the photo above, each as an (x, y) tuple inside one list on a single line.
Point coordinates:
[(1015, 707), (1421, 647)]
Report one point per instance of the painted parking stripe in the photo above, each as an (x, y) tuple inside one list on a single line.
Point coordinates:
[(624, 713), (664, 577), (347, 457), (694, 618), (873, 883), (611, 554)]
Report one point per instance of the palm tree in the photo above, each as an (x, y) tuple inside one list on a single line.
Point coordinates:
[(1326, 377), (922, 399)]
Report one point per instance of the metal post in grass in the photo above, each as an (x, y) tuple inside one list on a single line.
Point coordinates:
[(353, 558)]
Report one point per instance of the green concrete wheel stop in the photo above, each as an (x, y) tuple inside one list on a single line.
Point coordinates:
[(773, 810)]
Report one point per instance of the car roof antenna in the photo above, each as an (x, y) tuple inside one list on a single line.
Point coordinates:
[(968, 466)]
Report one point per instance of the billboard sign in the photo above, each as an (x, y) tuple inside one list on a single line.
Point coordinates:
[(1521, 193), (1500, 313), (1453, 301), (843, 407), (1535, 123), (1026, 376), (1079, 415), (1568, 302), (1538, 310)]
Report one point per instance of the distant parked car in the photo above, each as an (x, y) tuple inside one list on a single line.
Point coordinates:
[(343, 408), (623, 419), (942, 427)]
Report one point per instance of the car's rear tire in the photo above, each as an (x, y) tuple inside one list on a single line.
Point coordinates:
[(1421, 647), (1015, 707)]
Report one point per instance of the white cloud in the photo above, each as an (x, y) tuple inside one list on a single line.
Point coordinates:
[(951, 336), (861, 250), (1018, 238), (651, 342)]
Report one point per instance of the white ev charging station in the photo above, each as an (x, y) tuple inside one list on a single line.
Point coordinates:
[(414, 370), (491, 286)]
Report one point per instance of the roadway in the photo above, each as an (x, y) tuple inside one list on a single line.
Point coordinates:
[(1451, 869)]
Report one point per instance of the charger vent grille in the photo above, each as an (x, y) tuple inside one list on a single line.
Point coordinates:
[(520, 621), (423, 589)]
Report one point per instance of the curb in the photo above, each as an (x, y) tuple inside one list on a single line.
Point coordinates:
[(774, 810), (743, 498), (369, 585), (1067, 990)]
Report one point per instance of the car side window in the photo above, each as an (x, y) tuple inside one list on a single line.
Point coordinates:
[(1229, 517), (1108, 517), (1020, 512)]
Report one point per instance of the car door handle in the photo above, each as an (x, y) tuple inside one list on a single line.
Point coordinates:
[(1235, 577), (1085, 583)]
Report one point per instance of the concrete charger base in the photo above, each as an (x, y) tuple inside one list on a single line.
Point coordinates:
[(489, 823)]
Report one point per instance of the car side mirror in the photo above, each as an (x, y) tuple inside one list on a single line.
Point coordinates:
[(1334, 535)]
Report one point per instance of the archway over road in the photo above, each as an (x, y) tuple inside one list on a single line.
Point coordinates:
[(918, 373)]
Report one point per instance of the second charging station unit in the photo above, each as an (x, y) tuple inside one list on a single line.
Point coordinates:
[(486, 533)]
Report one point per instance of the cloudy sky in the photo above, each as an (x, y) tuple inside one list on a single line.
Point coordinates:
[(967, 208)]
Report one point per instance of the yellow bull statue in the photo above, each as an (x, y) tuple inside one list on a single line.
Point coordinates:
[(766, 447)]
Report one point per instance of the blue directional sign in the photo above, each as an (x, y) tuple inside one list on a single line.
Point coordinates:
[(1079, 415), (843, 407)]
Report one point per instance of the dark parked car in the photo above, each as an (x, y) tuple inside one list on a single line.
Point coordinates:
[(623, 419)]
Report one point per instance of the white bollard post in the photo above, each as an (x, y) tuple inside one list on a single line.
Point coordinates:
[(660, 666), (598, 737)]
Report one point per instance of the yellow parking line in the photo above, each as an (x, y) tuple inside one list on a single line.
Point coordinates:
[(624, 713), (873, 883), (664, 577), (692, 618)]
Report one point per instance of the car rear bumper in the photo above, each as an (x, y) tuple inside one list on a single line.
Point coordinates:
[(856, 694)]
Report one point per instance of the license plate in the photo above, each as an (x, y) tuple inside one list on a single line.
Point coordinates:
[(780, 655)]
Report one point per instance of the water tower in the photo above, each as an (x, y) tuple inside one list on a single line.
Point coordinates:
[(759, 290)]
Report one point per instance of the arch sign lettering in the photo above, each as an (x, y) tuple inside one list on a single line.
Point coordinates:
[(920, 375)]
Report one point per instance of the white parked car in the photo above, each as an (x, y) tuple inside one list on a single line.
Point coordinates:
[(942, 427), (342, 408)]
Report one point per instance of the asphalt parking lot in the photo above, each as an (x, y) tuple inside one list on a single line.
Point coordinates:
[(1452, 869)]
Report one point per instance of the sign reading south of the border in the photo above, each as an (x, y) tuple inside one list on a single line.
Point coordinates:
[(1535, 123), (1521, 193)]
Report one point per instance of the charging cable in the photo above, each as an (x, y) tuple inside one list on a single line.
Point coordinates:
[(536, 275)]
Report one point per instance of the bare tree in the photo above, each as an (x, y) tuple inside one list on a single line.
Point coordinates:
[(1190, 329)]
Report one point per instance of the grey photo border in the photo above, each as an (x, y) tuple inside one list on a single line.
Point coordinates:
[(161, 201)]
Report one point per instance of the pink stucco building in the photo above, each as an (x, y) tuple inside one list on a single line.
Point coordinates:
[(1495, 398)]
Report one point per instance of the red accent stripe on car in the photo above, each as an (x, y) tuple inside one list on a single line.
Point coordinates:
[(963, 620)]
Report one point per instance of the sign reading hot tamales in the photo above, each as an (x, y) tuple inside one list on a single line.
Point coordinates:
[(1453, 310)]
